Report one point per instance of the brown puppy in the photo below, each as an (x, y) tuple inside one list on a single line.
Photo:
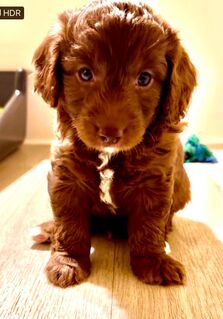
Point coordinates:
[(121, 83)]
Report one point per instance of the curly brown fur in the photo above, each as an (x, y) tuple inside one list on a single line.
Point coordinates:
[(90, 68)]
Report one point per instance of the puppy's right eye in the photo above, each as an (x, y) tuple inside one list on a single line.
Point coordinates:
[(85, 74), (144, 78)]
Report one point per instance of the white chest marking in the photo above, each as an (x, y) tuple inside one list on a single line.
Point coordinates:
[(106, 176)]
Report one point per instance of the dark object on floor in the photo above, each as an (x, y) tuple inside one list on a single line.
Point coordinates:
[(197, 152), (12, 110)]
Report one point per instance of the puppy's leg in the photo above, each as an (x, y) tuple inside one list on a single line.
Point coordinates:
[(69, 262), (181, 196), (147, 232), (181, 190)]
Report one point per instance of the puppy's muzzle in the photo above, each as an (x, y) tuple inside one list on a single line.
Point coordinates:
[(110, 135)]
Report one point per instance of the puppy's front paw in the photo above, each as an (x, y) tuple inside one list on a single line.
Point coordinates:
[(158, 270), (64, 271)]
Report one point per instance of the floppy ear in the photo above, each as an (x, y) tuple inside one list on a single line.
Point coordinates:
[(47, 61), (46, 64), (178, 88)]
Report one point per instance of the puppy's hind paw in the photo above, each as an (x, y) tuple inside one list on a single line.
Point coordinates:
[(43, 233), (39, 235)]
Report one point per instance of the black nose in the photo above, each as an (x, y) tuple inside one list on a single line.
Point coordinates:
[(110, 135)]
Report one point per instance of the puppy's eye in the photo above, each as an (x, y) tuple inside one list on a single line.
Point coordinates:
[(85, 74), (144, 78)]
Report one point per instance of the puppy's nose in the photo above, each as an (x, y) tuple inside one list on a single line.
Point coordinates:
[(110, 135)]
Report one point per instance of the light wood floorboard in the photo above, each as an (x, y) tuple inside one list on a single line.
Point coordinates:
[(20, 161)]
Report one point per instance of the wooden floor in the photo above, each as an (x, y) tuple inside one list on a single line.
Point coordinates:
[(19, 162), (111, 292)]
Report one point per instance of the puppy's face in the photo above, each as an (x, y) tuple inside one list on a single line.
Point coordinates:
[(112, 66), (113, 75)]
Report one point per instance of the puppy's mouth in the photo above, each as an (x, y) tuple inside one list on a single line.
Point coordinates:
[(110, 138), (110, 147), (110, 142), (117, 146), (110, 150)]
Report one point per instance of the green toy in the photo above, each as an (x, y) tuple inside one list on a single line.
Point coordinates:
[(194, 151)]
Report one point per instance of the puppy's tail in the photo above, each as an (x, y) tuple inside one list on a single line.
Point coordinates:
[(43, 233)]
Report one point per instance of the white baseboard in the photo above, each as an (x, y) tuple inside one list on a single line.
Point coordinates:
[(30, 141)]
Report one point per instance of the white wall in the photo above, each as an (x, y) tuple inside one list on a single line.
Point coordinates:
[(199, 23)]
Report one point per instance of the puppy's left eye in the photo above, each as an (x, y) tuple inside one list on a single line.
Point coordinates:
[(85, 74), (144, 78)]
